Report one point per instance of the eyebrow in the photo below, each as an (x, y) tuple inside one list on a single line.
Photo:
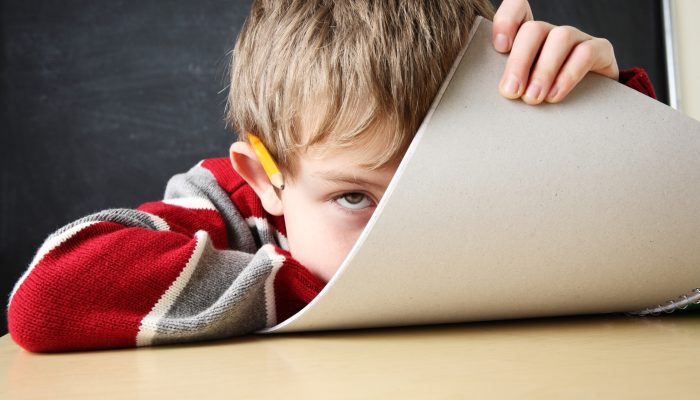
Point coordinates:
[(348, 178)]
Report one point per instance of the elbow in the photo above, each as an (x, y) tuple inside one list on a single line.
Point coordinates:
[(33, 323), (29, 329)]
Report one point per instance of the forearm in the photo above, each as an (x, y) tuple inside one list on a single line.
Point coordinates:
[(162, 273)]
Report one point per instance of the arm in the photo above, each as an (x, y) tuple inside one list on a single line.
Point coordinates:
[(637, 79), (183, 269)]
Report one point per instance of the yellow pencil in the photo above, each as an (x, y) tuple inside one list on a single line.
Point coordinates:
[(269, 165)]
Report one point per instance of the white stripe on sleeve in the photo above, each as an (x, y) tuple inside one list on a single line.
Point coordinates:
[(277, 261), (149, 324), (194, 203)]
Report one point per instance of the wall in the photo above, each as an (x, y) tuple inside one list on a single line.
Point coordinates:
[(686, 14)]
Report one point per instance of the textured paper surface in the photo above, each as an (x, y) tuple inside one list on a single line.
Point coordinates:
[(504, 210)]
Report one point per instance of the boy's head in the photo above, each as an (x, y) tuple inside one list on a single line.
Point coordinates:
[(336, 90)]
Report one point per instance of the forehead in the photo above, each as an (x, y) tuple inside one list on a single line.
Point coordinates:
[(357, 134), (351, 159), (325, 167)]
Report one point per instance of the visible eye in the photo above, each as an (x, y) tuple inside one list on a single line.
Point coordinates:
[(354, 200)]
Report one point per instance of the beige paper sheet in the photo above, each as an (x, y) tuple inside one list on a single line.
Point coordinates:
[(504, 210)]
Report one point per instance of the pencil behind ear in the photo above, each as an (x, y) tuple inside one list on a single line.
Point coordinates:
[(246, 163)]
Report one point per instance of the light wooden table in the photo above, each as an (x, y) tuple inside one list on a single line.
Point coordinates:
[(581, 357)]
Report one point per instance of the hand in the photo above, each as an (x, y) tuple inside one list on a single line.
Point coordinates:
[(546, 62)]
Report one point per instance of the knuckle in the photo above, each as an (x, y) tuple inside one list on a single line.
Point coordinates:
[(586, 51), (544, 74), (562, 34), (519, 64), (605, 44), (517, 69), (567, 78), (505, 22), (503, 19), (532, 27)]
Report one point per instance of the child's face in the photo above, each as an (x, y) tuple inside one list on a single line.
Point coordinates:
[(328, 204)]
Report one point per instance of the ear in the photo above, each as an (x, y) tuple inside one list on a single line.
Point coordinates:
[(246, 163)]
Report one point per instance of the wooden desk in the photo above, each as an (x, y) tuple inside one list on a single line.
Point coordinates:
[(585, 357)]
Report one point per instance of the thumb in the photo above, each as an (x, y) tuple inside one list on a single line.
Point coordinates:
[(506, 23)]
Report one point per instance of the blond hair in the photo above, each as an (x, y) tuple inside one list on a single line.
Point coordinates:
[(355, 65)]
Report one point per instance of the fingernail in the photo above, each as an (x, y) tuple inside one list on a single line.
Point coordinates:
[(553, 93), (533, 92), (501, 43), (511, 88)]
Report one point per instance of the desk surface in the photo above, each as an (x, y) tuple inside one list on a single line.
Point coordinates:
[(583, 357)]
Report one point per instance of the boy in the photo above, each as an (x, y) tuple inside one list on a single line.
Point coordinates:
[(335, 91)]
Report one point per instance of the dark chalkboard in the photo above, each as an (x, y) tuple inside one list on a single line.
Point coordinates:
[(103, 101), (634, 27)]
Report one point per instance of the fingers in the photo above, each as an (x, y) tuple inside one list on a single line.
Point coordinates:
[(525, 49), (509, 16), (560, 42), (561, 57), (595, 55)]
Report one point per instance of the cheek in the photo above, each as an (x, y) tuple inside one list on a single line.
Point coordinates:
[(320, 240)]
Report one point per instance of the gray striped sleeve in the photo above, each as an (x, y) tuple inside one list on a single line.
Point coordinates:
[(199, 182), (225, 297)]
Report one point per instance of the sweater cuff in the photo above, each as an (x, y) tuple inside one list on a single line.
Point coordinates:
[(637, 79), (295, 287)]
